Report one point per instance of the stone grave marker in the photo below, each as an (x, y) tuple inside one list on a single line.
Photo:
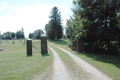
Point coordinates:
[(13, 41), (56, 38), (20, 40), (1, 49), (0, 40), (24, 42)]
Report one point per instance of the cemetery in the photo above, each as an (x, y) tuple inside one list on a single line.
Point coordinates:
[(66, 43), (18, 59), (15, 64)]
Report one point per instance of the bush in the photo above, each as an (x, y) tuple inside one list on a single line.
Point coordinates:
[(72, 45)]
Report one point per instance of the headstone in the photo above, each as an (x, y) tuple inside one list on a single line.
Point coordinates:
[(44, 44), (0, 41), (56, 38), (29, 47), (20, 40), (13, 42), (4, 45), (1, 49), (24, 42)]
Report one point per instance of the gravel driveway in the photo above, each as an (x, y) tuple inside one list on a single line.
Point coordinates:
[(60, 72), (95, 73)]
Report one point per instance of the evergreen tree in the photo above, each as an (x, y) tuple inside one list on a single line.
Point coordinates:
[(31, 35), (13, 35), (54, 27)]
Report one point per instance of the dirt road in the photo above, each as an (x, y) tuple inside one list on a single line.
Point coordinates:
[(60, 72), (95, 73)]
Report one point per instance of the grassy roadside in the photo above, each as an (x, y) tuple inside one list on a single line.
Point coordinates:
[(15, 65), (108, 64)]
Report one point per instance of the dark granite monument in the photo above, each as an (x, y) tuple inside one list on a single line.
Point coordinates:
[(0, 40), (44, 44), (29, 47)]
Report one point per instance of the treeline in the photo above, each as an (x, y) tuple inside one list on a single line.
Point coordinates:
[(96, 22), (54, 28), (11, 35), (36, 35)]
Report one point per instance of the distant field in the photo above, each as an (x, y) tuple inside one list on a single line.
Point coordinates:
[(15, 65)]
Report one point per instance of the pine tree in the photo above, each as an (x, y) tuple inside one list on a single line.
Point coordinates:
[(54, 27)]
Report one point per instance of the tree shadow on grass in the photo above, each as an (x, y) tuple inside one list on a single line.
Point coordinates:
[(61, 42), (45, 55), (110, 59)]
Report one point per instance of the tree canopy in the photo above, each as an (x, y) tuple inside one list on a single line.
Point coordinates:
[(96, 21), (20, 34), (6, 35), (37, 33), (11, 35)]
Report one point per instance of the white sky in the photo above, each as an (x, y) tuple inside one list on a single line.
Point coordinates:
[(30, 14)]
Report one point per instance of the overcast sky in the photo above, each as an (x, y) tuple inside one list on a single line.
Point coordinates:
[(30, 14)]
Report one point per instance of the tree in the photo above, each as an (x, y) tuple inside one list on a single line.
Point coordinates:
[(6, 35), (95, 21), (20, 34), (13, 35), (37, 33), (31, 35), (54, 27), (46, 26)]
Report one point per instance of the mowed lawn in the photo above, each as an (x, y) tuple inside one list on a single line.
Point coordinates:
[(16, 65), (108, 64)]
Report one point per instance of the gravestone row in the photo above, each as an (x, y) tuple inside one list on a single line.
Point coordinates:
[(20, 41)]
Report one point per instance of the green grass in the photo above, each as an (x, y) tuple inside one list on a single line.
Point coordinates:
[(15, 65), (108, 64)]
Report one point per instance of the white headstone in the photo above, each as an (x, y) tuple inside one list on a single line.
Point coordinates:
[(24, 42), (20, 40), (56, 38), (13, 42)]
